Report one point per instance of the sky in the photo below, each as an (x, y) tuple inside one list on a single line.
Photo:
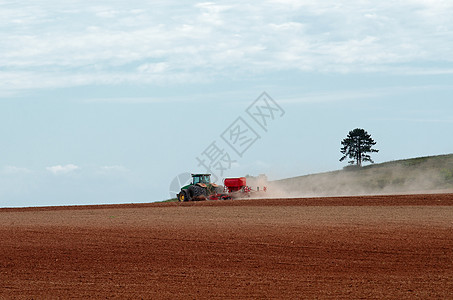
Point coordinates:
[(110, 101)]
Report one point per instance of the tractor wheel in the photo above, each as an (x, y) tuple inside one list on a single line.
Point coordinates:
[(196, 190), (182, 196)]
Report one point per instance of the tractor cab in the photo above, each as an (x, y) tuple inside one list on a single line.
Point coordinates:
[(201, 178)]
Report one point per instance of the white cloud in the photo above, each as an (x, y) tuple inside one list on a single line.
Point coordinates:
[(16, 170), (60, 44), (360, 94), (153, 67), (60, 169)]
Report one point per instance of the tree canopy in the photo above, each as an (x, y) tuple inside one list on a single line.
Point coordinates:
[(356, 146)]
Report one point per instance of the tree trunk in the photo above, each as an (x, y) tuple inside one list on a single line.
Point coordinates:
[(359, 155)]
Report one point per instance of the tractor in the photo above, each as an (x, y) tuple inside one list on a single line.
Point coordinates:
[(201, 188)]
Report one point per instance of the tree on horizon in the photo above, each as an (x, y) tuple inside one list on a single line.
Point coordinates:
[(356, 146)]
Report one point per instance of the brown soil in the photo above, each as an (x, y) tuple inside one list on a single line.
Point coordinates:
[(355, 247)]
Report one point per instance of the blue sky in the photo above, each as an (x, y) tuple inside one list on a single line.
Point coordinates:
[(108, 101)]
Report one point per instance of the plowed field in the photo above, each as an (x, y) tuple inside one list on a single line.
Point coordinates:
[(347, 247)]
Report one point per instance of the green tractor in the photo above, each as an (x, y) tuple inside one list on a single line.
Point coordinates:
[(201, 188)]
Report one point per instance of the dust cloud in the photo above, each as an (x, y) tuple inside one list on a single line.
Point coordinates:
[(424, 175)]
